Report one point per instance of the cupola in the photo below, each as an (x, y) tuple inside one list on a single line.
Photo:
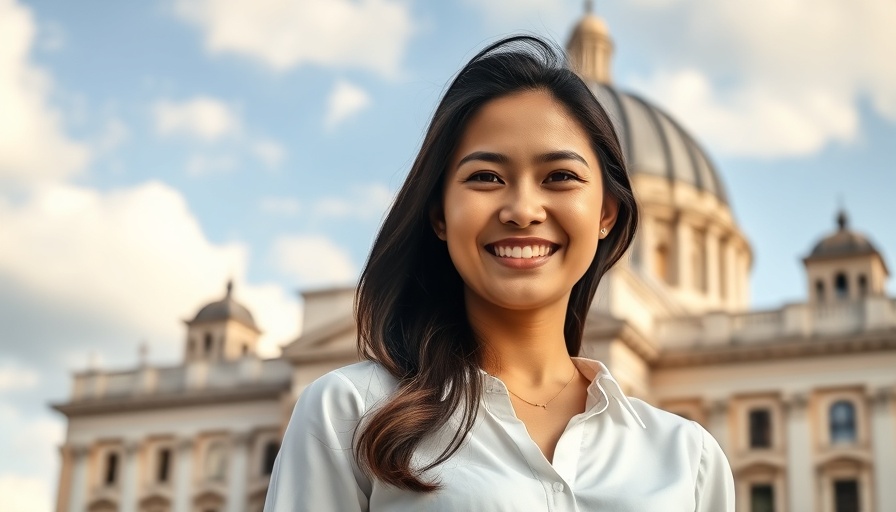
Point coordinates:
[(844, 265), (221, 330)]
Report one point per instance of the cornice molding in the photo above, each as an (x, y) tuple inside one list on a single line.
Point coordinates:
[(604, 328), (171, 401), (778, 349)]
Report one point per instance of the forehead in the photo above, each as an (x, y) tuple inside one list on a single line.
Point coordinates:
[(527, 122)]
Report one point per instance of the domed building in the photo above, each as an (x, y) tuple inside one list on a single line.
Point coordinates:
[(802, 398)]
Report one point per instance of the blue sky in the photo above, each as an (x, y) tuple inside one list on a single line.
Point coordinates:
[(150, 150)]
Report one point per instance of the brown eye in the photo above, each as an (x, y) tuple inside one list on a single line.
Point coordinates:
[(563, 176), (485, 177)]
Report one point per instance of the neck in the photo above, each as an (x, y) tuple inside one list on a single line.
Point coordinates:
[(525, 346)]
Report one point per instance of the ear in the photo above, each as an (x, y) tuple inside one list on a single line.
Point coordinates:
[(608, 214), (437, 220)]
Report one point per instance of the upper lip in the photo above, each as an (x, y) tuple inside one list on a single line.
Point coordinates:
[(522, 242)]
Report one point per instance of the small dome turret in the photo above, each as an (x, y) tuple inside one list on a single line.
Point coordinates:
[(225, 309), (843, 242), (844, 265), (221, 330)]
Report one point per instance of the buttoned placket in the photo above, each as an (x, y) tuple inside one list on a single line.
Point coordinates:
[(557, 478)]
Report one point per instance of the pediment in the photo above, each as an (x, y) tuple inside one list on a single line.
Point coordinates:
[(338, 337)]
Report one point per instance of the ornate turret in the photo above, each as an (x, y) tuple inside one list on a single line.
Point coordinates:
[(221, 330), (844, 265), (590, 47)]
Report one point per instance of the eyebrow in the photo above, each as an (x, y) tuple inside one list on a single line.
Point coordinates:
[(498, 158)]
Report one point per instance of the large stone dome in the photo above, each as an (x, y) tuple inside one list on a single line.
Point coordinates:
[(690, 256), (654, 143)]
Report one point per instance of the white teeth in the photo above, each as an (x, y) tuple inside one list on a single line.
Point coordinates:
[(526, 252)]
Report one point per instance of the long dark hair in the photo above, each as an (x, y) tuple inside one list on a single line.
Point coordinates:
[(410, 302)]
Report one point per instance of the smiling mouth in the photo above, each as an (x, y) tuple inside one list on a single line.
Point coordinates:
[(522, 251)]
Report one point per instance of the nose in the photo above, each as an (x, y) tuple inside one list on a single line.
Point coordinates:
[(524, 205)]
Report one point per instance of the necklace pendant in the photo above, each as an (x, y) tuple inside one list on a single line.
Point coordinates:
[(543, 406)]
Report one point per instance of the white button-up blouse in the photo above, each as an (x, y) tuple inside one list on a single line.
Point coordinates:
[(619, 455)]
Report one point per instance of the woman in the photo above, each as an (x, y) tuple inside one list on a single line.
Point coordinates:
[(470, 310)]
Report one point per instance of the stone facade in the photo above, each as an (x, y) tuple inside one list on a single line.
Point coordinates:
[(802, 398)]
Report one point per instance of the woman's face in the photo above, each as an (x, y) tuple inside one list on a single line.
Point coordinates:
[(523, 202)]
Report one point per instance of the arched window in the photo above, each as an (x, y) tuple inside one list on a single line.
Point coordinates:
[(841, 286), (215, 461), (270, 455), (819, 290), (843, 422), (863, 285), (111, 468)]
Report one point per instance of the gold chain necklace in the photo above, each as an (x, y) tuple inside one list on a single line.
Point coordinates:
[(545, 405)]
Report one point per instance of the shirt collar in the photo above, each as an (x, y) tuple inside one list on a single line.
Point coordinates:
[(599, 375)]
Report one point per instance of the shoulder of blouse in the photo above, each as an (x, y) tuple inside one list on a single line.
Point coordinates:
[(366, 381), (710, 470)]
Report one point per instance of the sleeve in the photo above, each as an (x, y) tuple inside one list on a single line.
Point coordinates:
[(315, 469), (715, 484)]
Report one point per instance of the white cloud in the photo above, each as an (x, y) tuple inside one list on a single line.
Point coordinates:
[(282, 34), (776, 78), (24, 494), (204, 118), (313, 261), (754, 120), (14, 377), (270, 153), (32, 442), (514, 12), (33, 145), (142, 255), (345, 100), (202, 164)]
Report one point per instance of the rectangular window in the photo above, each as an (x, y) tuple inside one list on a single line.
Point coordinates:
[(760, 428), (111, 468), (762, 498), (846, 496), (164, 462)]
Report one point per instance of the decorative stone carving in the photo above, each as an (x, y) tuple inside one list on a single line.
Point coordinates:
[(882, 397), (185, 444), (796, 402)]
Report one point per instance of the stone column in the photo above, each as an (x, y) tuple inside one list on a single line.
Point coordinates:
[(238, 476), (128, 502), (183, 480), (713, 265), (800, 486), (718, 424), (78, 490), (681, 263), (883, 442)]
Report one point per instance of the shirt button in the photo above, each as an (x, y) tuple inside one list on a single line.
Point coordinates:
[(558, 487)]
